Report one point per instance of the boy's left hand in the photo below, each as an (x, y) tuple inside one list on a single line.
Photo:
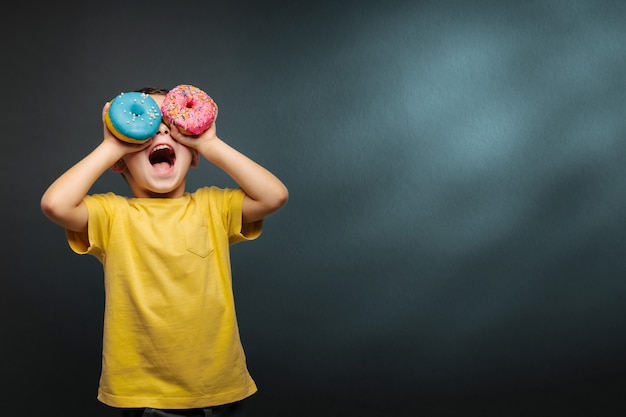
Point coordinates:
[(193, 141)]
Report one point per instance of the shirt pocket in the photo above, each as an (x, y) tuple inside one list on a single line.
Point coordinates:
[(197, 237)]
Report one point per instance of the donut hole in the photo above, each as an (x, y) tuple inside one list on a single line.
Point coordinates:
[(136, 110), (190, 104)]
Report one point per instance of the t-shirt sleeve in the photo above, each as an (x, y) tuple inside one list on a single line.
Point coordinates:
[(232, 209), (90, 242)]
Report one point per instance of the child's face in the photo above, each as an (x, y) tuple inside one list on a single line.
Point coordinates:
[(161, 169)]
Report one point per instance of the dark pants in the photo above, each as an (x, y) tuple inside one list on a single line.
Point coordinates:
[(226, 410)]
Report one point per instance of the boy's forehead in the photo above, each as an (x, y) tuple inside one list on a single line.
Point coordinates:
[(158, 98)]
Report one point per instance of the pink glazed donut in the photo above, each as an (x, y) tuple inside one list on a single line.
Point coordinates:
[(189, 108)]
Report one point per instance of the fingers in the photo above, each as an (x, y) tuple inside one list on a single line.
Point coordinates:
[(105, 109), (143, 145), (180, 137)]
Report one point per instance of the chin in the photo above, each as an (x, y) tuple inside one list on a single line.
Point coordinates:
[(164, 187), (167, 190)]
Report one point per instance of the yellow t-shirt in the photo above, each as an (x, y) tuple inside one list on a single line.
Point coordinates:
[(170, 332)]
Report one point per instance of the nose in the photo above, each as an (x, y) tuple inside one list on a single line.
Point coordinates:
[(163, 129)]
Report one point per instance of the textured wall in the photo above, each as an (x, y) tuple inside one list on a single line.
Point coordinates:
[(453, 243)]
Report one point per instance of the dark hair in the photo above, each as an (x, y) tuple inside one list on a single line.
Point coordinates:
[(153, 90)]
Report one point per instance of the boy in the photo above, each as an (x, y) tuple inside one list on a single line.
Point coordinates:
[(171, 344)]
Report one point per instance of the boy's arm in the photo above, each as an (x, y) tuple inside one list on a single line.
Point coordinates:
[(265, 193), (63, 201)]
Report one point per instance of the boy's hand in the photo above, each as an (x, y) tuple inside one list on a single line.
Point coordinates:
[(193, 141)]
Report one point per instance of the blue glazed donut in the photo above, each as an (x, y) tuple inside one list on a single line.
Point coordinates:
[(133, 117)]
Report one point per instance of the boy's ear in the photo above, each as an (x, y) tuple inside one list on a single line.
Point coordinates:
[(195, 158), (119, 166)]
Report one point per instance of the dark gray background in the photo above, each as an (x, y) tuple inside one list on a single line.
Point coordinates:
[(453, 243)]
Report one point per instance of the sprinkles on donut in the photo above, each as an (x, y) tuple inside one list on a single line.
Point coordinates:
[(133, 117), (189, 108)]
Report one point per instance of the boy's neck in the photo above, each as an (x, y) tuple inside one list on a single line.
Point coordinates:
[(143, 193)]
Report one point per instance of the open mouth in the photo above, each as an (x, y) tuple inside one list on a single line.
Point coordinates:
[(162, 156)]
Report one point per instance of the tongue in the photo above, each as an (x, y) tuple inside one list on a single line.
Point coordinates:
[(162, 166)]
